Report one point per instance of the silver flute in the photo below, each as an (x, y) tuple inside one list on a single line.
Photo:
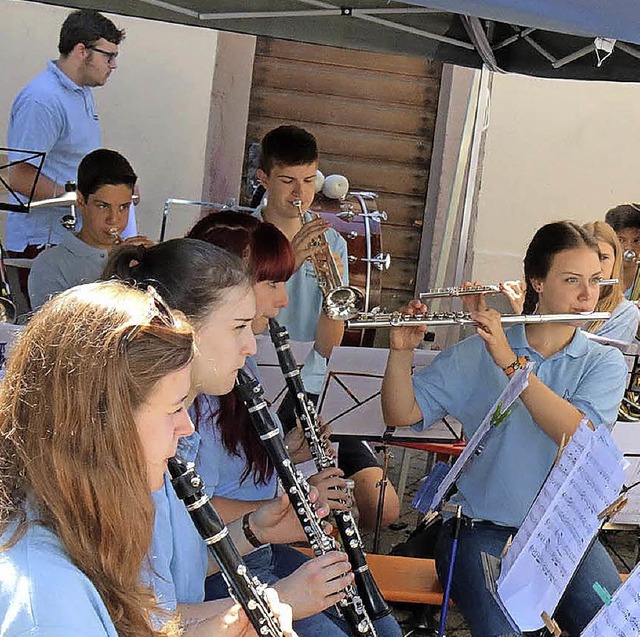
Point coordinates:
[(446, 319), (493, 288)]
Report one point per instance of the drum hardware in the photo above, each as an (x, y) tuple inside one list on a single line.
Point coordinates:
[(341, 302), (231, 203), (8, 311), (349, 215), (629, 410), (381, 261), (352, 235), (447, 319), (364, 194), (68, 198)]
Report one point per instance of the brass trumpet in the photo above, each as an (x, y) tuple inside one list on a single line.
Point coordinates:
[(446, 319), (117, 239), (440, 293), (341, 302)]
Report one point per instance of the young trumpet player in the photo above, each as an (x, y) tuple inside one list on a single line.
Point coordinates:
[(625, 221), (573, 377), (106, 183), (91, 407), (222, 316), (288, 164)]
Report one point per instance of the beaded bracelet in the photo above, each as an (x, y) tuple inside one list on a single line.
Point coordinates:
[(519, 363)]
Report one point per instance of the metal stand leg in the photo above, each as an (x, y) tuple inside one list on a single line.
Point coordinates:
[(404, 473), (386, 454)]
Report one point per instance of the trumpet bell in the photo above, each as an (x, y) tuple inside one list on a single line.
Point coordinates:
[(343, 303)]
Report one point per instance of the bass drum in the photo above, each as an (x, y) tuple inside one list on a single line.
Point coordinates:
[(357, 219)]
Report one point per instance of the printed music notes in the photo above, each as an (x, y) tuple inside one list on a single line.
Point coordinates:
[(620, 617), (560, 526)]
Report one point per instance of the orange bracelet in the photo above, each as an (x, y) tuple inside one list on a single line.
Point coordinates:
[(519, 363)]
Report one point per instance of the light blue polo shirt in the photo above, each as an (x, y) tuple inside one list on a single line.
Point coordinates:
[(55, 115), (61, 267), (622, 325), (179, 556), (300, 317), (501, 484), (219, 469), (42, 593)]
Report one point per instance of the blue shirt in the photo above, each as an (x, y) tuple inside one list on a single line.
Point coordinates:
[(622, 325), (219, 469), (43, 593), (501, 484), (63, 266), (179, 557), (301, 315), (55, 115)]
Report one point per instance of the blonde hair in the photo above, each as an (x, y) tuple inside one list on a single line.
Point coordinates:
[(68, 439), (610, 295)]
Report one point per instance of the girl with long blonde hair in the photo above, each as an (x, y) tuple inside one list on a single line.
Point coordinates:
[(623, 323), (91, 406)]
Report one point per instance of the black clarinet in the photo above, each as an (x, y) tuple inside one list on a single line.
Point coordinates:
[(245, 588), (322, 455), (296, 487)]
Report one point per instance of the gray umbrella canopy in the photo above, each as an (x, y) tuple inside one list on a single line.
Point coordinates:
[(547, 38)]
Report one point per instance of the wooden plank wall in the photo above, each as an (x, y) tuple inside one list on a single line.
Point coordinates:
[(373, 116)]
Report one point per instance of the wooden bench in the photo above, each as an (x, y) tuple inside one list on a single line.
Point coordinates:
[(404, 579), (407, 579)]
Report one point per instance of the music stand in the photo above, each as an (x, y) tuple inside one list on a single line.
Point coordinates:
[(33, 157)]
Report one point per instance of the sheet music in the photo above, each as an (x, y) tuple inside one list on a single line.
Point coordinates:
[(560, 526), (622, 616), (627, 436), (510, 393)]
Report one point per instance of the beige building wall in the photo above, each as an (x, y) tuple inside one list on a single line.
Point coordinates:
[(554, 150), (154, 108)]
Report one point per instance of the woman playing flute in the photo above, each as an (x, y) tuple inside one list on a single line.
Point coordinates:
[(572, 377)]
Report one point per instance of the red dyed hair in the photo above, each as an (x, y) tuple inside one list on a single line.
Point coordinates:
[(265, 250), (268, 256)]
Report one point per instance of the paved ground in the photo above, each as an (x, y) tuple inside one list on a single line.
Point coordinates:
[(622, 542)]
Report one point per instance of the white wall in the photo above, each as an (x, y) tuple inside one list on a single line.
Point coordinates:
[(554, 150), (154, 108)]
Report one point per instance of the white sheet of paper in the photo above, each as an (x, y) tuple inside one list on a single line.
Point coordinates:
[(560, 526), (508, 396), (622, 617)]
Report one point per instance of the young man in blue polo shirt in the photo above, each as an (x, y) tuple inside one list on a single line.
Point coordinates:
[(288, 164), (56, 113), (106, 182)]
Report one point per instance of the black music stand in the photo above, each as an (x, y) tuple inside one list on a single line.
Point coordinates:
[(23, 203)]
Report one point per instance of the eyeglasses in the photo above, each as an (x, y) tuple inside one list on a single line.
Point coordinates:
[(107, 54), (158, 309)]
